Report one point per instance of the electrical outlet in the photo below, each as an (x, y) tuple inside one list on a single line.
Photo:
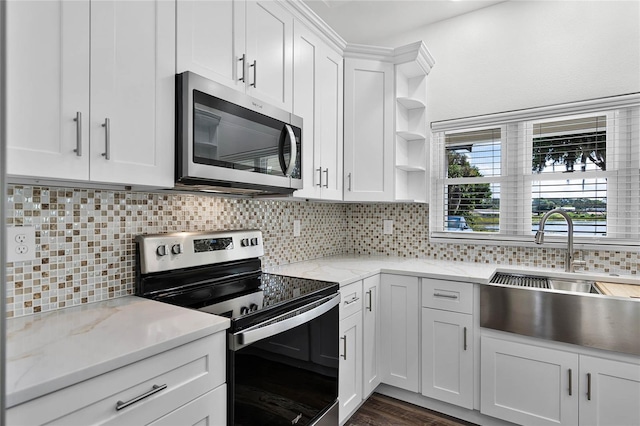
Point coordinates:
[(296, 228), (387, 227), (21, 243)]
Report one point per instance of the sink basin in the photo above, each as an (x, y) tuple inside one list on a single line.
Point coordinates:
[(565, 284), (578, 286)]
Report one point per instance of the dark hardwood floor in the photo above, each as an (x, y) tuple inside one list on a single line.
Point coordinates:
[(380, 410)]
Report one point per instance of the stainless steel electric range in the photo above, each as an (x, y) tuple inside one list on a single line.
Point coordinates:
[(282, 349)]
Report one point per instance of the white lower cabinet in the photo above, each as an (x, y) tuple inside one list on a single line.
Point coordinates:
[(609, 392), (535, 385), (350, 376), (447, 357), (400, 331), (371, 335), (141, 392)]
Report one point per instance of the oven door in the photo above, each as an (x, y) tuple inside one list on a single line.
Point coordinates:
[(227, 136), (285, 371)]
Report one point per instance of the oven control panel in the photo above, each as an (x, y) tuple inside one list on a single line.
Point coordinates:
[(165, 252)]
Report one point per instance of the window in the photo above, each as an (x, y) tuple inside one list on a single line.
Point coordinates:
[(494, 177)]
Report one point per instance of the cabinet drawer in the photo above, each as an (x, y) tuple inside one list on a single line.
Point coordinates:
[(209, 409), (351, 299), (188, 371), (447, 295)]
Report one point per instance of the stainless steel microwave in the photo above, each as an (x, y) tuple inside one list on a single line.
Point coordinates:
[(229, 142)]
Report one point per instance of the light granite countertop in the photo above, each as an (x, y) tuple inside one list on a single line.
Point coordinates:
[(49, 351), (345, 269)]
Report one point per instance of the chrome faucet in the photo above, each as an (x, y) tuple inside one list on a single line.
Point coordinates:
[(539, 239)]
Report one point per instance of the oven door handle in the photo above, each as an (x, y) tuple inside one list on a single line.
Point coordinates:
[(278, 325)]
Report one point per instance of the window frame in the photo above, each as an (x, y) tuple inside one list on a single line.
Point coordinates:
[(516, 170)]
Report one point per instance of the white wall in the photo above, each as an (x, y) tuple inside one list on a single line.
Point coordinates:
[(522, 54)]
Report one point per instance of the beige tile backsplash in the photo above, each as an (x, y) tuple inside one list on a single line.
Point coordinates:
[(85, 251)]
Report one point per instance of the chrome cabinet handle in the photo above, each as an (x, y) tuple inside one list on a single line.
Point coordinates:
[(349, 178), (447, 296), (326, 182), (78, 121), (155, 389), (570, 383), (255, 67), (344, 347), (465, 338), (243, 60), (370, 305), (319, 169), (348, 302), (107, 138), (588, 386)]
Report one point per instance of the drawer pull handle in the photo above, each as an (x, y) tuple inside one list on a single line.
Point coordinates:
[(570, 383), (465, 338), (588, 386), (446, 296), (344, 346), (155, 389), (348, 302), (370, 302)]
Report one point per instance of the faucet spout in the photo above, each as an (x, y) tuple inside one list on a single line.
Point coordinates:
[(539, 238)]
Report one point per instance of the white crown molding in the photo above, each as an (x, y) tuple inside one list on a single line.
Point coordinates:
[(591, 105), (363, 51), (305, 14), (415, 53)]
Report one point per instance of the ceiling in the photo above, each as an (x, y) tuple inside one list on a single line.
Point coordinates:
[(373, 21)]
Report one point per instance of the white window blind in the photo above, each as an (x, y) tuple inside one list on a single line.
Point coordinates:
[(496, 181)]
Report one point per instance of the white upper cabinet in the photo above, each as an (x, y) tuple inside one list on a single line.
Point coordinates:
[(132, 91), (100, 76), (247, 45), (317, 98), (368, 130), (47, 89)]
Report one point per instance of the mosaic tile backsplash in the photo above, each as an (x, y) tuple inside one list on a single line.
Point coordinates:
[(85, 250)]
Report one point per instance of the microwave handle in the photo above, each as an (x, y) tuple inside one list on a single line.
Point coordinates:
[(287, 169)]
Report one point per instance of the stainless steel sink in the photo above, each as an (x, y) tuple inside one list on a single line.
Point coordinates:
[(565, 284), (577, 286)]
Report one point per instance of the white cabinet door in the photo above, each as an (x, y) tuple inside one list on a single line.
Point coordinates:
[(371, 339), (527, 384), (306, 104), (609, 392), (209, 409), (47, 87), (368, 130), (350, 376), (330, 126), (317, 98), (400, 307), (132, 92), (269, 49), (447, 356), (210, 40)]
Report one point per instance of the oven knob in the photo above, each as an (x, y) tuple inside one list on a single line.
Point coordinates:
[(244, 310), (177, 249), (161, 250), (254, 241), (253, 307), (244, 242)]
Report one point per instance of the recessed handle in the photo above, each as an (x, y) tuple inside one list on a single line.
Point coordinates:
[(344, 347), (155, 389), (464, 332), (243, 59), (107, 139), (354, 299), (255, 74), (446, 296), (78, 121)]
